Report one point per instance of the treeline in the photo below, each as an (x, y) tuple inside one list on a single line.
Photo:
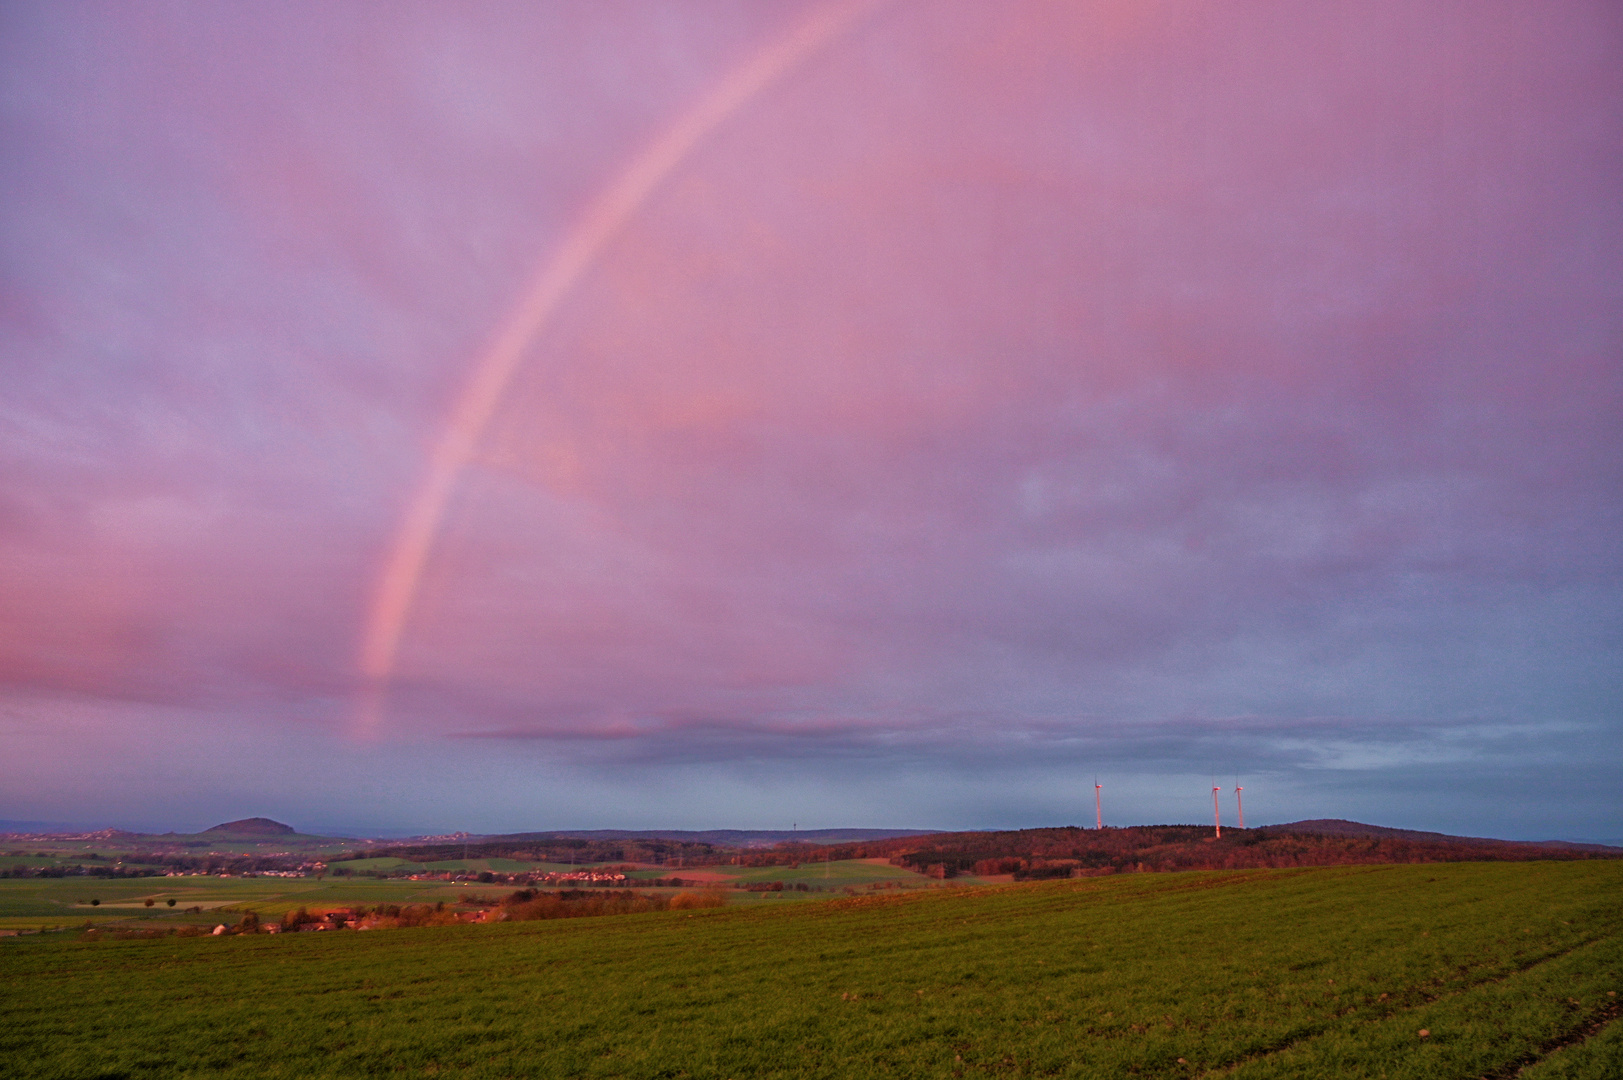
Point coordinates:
[(383, 916), (555, 849), (523, 905), (528, 904), (219, 864), (1043, 853)]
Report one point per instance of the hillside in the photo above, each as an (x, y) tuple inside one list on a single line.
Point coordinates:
[(254, 826), (1341, 827), (1067, 852)]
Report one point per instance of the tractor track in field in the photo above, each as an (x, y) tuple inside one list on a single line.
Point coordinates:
[(1582, 1035), (1510, 1069)]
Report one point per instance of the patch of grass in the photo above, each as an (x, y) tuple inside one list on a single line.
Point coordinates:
[(1324, 972)]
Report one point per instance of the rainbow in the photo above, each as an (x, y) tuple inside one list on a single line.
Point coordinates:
[(605, 216)]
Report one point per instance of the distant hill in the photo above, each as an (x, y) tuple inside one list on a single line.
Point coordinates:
[(1066, 852), (657, 847), (1022, 854), (254, 826), (727, 838), (1340, 827)]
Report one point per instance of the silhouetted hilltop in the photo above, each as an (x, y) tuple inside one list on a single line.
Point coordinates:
[(254, 826), (1342, 827)]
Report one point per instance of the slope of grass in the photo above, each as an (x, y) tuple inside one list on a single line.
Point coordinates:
[(1325, 972)]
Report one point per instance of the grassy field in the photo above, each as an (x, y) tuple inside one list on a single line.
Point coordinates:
[(37, 903), (1331, 972)]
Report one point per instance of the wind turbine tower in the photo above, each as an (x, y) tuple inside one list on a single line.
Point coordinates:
[(1217, 815), (1098, 806), (1239, 804)]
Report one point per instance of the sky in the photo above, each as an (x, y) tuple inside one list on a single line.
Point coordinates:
[(498, 417)]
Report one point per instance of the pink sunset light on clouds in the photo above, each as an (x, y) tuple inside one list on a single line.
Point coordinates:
[(968, 399)]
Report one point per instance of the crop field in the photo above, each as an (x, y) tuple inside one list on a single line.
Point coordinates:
[(1424, 971)]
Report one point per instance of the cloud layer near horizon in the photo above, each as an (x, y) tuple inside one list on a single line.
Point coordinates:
[(1017, 387)]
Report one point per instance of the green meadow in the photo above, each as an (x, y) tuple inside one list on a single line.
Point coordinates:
[(1423, 971), (28, 904), (43, 903)]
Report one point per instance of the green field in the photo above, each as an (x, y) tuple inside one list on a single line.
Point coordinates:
[(39, 903), (1329, 972)]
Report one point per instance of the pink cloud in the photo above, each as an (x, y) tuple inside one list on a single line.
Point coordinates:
[(1010, 372)]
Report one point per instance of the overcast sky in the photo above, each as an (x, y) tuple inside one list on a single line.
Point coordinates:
[(935, 405)]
